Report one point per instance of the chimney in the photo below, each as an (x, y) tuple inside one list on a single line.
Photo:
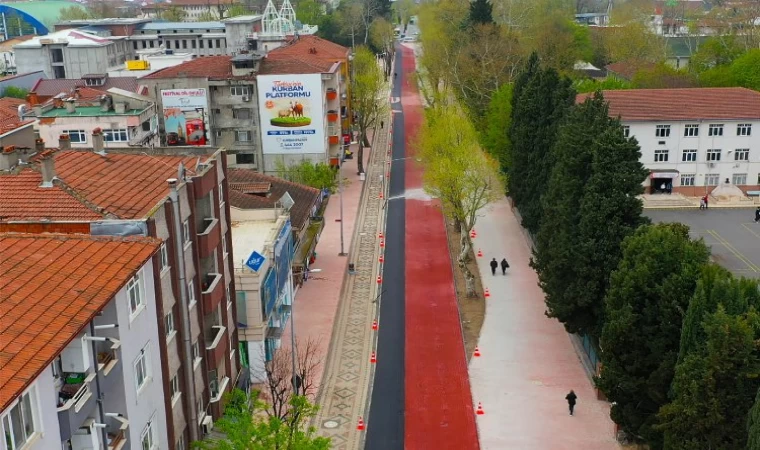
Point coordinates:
[(98, 142), (39, 145), (47, 167), (32, 99), (64, 142), (8, 158), (120, 107), (70, 106)]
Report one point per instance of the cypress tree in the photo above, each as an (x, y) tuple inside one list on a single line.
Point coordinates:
[(648, 294), (481, 12)]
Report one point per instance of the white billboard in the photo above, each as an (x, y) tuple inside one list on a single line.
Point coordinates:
[(292, 117), (186, 117)]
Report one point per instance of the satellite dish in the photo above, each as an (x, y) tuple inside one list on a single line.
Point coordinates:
[(287, 201), (21, 111)]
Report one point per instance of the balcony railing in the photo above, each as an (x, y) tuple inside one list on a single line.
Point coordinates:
[(116, 431), (75, 402), (140, 137), (108, 357), (217, 388), (212, 292), (209, 238), (216, 346), (216, 335)]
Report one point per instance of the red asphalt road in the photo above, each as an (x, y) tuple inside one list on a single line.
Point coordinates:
[(439, 412)]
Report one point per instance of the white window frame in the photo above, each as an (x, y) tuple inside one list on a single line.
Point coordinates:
[(662, 131), (224, 247), (116, 135), (186, 231), (739, 179), (691, 130), (744, 129), (741, 154), (221, 194), (713, 154), (174, 388), (626, 131), (715, 129), (149, 434), (712, 176), (239, 91), (197, 358), (28, 411), (661, 155), (141, 368), (76, 136), (227, 296), (171, 328), (247, 133), (191, 300), (688, 179), (236, 113), (181, 441), (689, 155), (163, 253), (135, 295)]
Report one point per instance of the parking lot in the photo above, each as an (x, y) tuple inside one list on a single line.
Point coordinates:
[(731, 233)]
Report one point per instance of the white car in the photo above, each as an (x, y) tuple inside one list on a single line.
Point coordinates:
[(409, 39)]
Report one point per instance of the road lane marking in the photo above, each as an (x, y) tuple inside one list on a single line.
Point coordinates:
[(735, 252)]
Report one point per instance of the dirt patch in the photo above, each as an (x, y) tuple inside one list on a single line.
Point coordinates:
[(472, 311)]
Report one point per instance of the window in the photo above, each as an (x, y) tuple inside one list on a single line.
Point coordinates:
[(210, 43), (117, 135), (175, 387), (184, 43), (245, 158), (218, 43), (169, 323), (626, 131), (691, 130), (163, 253), (76, 136), (141, 369), (712, 179), (224, 247), (19, 421), (200, 43), (190, 293), (739, 179), (689, 155), (186, 231), (662, 131), (57, 368), (744, 129), (196, 353), (181, 440), (193, 43), (176, 43), (147, 437), (218, 133), (715, 130), (227, 297), (243, 113), (713, 154), (239, 90), (135, 294), (687, 179), (221, 194), (242, 136), (741, 154), (661, 156)]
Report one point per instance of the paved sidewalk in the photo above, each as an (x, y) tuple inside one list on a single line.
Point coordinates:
[(348, 371), (528, 362)]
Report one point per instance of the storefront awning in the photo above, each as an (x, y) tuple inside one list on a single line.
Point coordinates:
[(663, 175)]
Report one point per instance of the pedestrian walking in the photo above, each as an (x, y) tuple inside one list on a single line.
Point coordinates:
[(757, 214), (504, 266), (706, 200), (571, 399), (702, 203), (382, 124), (494, 265)]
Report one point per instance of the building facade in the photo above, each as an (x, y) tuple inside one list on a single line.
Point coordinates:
[(180, 200), (693, 140), (97, 382)]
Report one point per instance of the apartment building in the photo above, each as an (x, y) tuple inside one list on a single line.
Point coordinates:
[(81, 366), (199, 38), (178, 199), (71, 54), (221, 92), (14, 129), (693, 140), (193, 9), (117, 118)]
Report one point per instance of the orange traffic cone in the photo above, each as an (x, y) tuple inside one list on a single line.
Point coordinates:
[(382, 243), (480, 253), (373, 358), (379, 279), (374, 324), (360, 425), (381, 259), (473, 234), (380, 196), (476, 353), (480, 411), (380, 235), (487, 293)]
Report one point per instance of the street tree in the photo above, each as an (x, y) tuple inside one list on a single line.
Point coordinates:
[(494, 138), (319, 175), (235, 10), (404, 10), (634, 43), (383, 40), (207, 16), (561, 42), (369, 103), (481, 13), (244, 427), (459, 173), (753, 425), (350, 16), (173, 14), (648, 295), (741, 72), (662, 76), (540, 101), (310, 11)]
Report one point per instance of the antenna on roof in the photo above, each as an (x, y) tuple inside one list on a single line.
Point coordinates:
[(181, 172)]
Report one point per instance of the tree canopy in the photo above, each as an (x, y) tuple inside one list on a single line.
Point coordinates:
[(368, 102), (494, 137), (481, 12)]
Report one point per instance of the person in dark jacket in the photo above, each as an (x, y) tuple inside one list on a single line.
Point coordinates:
[(494, 265), (571, 399), (757, 214), (504, 266)]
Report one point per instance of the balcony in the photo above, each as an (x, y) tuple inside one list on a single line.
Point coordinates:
[(331, 94), (209, 238), (217, 388), (212, 292), (216, 344), (76, 402), (140, 136), (116, 427), (109, 364), (332, 116)]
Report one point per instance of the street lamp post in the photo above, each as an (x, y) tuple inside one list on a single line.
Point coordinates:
[(340, 194)]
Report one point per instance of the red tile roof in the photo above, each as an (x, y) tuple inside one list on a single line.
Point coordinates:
[(9, 119), (24, 199), (313, 45), (128, 186), (53, 87), (628, 69), (240, 180), (212, 67), (683, 104), (280, 64), (52, 286)]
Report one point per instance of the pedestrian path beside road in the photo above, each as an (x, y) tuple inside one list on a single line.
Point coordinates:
[(528, 363)]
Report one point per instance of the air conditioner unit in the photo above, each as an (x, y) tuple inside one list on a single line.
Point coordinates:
[(246, 98), (207, 425)]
